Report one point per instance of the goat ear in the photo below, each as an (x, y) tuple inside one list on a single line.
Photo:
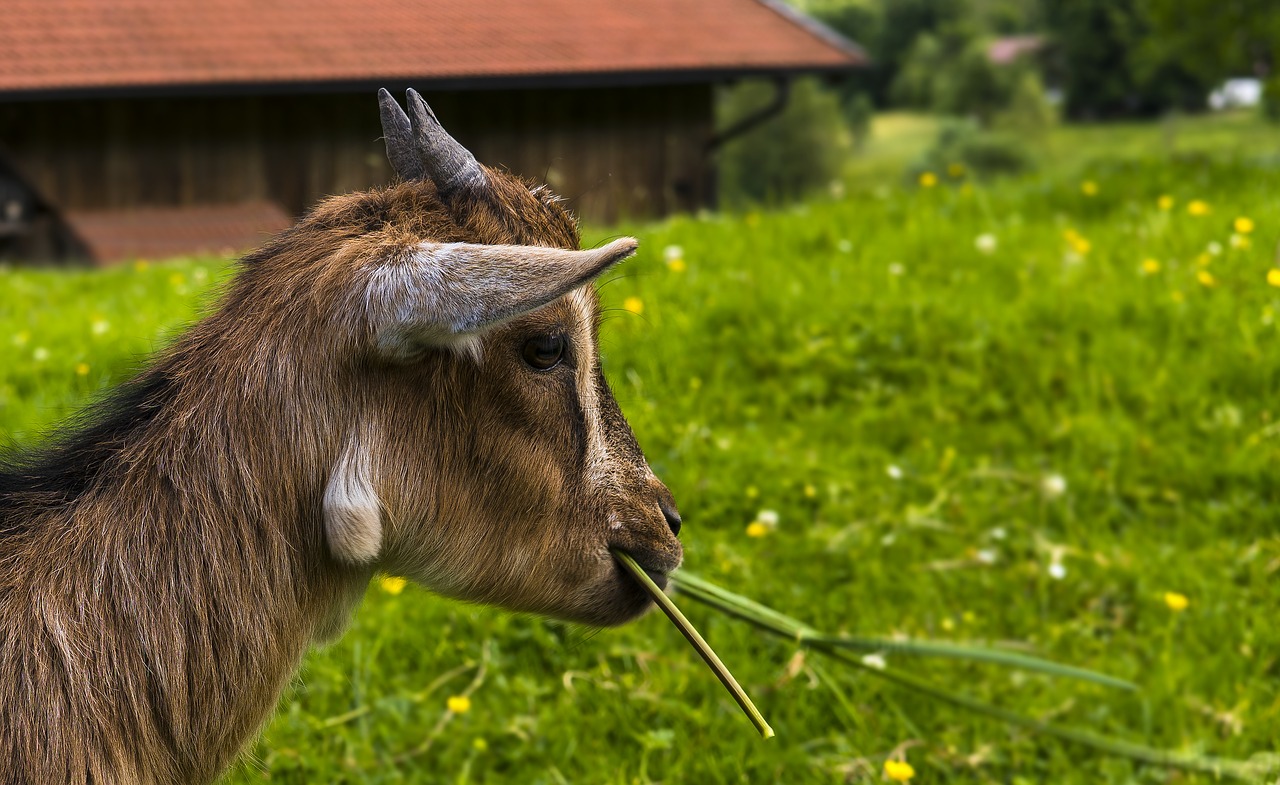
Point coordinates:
[(352, 510), (443, 292)]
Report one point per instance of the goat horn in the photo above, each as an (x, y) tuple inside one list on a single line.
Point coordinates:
[(449, 165), (398, 134)]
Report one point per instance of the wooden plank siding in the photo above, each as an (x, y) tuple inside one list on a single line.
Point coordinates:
[(613, 153)]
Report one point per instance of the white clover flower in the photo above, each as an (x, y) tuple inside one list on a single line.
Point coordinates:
[(844, 246), (1053, 485), (998, 533), (1214, 248), (100, 326), (1057, 571), (987, 556), (876, 661), (894, 471), (986, 243), (768, 517), (896, 268), (672, 252), (40, 354)]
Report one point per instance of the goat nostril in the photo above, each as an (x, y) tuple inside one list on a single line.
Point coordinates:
[(671, 514)]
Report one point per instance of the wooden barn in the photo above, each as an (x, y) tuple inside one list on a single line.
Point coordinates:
[(156, 127)]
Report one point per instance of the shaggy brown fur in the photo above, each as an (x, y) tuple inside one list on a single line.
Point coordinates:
[(164, 568)]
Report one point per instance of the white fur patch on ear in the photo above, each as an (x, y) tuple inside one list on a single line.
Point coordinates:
[(444, 295), (352, 510)]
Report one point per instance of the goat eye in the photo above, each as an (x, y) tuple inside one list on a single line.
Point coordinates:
[(544, 352)]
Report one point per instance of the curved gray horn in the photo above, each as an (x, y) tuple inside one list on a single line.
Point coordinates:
[(398, 134), (449, 165)]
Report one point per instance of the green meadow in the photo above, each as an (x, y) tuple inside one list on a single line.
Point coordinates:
[(1040, 413)]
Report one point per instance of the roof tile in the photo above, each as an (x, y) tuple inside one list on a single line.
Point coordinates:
[(52, 45)]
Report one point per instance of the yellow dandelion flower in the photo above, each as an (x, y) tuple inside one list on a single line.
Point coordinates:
[(1273, 276), (752, 491), (1089, 188), (1150, 266), (141, 266), (757, 529), (392, 584), (1206, 278), (1176, 602), (634, 305), (810, 491), (1177, 296), (1165, 202), (1081, 245), (677, 265), (1242, 225), (82, 369), (458, 704), (898, 770), (480, 745), (928, 179), (177, 279), (21, 338), (1198, 207), (955, 170)]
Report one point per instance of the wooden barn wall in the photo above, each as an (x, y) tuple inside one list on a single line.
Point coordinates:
[(614, 153)]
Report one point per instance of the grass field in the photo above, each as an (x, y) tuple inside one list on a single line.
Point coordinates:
[(1043, 412)]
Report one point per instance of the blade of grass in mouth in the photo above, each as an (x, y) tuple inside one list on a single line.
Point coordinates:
[(695, 639)]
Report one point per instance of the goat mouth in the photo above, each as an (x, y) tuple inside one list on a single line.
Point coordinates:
[(659, 577)]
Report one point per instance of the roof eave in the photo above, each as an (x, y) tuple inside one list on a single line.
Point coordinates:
[(819, 30), (641, 78)]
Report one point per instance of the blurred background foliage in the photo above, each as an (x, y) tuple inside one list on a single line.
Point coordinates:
[(1005, 71)]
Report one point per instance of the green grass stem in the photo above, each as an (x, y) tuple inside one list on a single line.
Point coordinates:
[(697, 641), (833, 646), (750, 610)]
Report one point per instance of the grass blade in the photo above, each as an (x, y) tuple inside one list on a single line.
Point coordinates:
[(724, 599), (695, 639), (784, 626)]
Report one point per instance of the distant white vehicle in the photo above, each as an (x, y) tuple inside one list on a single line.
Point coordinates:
[(1236, 93)]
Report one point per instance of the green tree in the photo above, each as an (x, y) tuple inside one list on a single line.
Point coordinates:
[(888, 30), (787, 156), (1100, 58), (1215, 38)]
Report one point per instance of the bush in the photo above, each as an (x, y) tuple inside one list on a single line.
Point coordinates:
[(964, 143), (789, 155), (1271, 98), (859, 111), (1028, 110)]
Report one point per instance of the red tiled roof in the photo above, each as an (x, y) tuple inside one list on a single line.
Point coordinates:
[(162, 232), (60, 45)]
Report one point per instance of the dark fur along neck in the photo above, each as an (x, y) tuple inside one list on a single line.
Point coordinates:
[(145, 640), (57, 473)]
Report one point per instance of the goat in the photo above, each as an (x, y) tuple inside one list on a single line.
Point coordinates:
[(405, 381)]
